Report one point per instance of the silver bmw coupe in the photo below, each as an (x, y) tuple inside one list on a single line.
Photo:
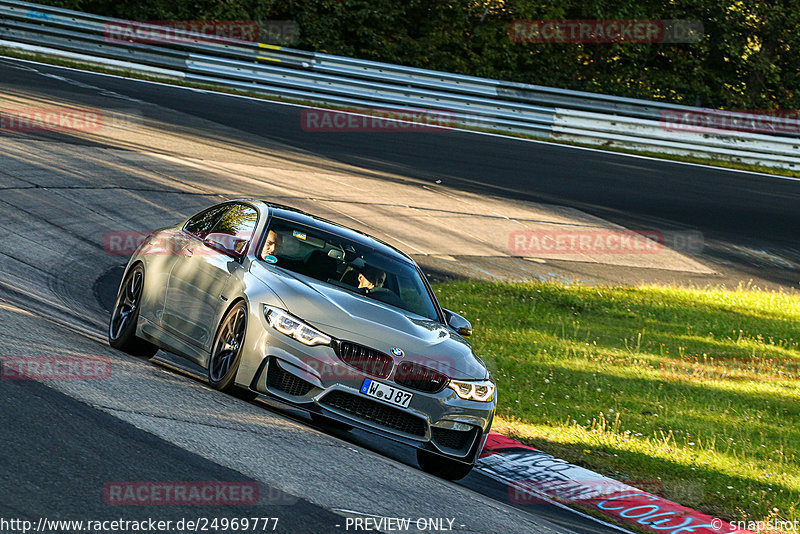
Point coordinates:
[(278, 302)]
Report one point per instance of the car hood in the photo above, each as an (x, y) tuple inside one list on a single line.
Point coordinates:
[(347, 316)]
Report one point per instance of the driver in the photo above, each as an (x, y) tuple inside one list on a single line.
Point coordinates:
[(272, 244)]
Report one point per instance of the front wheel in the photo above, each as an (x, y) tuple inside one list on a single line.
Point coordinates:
[(226, 352), (122, 326), (442, 467)]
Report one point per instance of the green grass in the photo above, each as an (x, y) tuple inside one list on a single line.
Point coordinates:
[(695, 388)]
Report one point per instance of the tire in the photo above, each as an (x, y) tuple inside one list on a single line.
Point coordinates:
[(226, 352), (442, 467), (324, 422), (125, 316)]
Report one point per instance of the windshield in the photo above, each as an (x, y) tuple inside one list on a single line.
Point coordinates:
[(346, 264)]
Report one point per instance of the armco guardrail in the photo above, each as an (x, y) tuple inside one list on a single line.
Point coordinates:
[(465, 101)]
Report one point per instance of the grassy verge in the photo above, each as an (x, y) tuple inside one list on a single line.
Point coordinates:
[(694, 390), (83, 65)]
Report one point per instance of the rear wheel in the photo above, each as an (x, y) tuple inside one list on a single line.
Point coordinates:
[(442, 467), (226, 352), (122, 326)]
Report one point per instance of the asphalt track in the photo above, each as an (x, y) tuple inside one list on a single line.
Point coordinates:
[(749, 221), (65, 441), (60, 194), (76, 449)]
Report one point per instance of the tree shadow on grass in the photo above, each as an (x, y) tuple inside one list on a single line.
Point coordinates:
[(691, 406)]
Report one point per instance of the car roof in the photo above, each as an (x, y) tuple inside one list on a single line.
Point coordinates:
[(301, 217)]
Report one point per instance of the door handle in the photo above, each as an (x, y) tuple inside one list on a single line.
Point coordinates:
[(187, 252)]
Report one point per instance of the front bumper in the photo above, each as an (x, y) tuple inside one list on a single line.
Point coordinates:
[(315, 379)]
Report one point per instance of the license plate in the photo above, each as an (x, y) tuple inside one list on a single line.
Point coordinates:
[(395, 396)]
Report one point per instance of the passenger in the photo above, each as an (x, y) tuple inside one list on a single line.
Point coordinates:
[(370, 278), (271, 245), (370, 282)]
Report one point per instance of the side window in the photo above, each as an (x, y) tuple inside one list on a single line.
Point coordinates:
[(414, 294), (201, 224), (239, 221)]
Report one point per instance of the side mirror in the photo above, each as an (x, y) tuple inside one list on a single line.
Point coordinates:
[(230, 245), (458, 323)]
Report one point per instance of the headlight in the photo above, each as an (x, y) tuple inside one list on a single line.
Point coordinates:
[(293, 327), (480, 390)]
